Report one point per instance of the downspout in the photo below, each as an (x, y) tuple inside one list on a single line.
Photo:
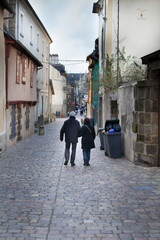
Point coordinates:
[(117, 42), (104, 36), (18, 20), (49, 117), (159, 125), (8, 48)]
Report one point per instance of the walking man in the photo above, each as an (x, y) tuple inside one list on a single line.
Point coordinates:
[(71, 129)]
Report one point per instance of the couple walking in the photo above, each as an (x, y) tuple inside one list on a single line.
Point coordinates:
[(72, 130)]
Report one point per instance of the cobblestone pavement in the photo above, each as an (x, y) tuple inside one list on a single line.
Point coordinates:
[(41, 199)]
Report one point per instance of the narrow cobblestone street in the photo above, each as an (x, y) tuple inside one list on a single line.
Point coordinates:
[(41, 199)]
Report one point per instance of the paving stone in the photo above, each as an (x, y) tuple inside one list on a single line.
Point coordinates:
[(41, 199)]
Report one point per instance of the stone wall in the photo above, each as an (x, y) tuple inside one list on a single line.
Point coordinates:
[(145, 123), (24, 123)]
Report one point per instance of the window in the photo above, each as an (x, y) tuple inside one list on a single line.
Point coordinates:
[(32, 75), (42, 48), (21, 26), (24, 67), (21, 68), (38, 42), (47, 52), (18, 67), (31, 35)]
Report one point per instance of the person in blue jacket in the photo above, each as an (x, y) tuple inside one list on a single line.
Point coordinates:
[(87, 142), (70, 129)]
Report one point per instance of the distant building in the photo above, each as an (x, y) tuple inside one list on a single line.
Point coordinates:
[(58, 78), (79, 81)]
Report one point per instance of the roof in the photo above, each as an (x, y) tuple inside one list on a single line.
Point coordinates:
[(60, 68), (7, 6), (75, 76), (152, 57)]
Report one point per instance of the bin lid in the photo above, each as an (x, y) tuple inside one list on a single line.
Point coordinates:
[(111, 130), (101, 129), (112, 121)]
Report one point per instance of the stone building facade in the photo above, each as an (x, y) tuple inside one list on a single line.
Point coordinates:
[(146, 117), (138, 105)]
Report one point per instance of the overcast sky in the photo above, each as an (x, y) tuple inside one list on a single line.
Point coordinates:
[(72, 26)]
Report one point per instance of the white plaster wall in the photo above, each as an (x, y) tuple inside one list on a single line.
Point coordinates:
[(2, 85), (40, 50), (58, 98), (139, 31), (139, 26), (126, 108)]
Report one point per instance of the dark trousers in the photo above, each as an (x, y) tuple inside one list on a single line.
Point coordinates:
[(67, 151)]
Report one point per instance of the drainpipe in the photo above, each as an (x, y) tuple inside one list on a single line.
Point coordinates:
[(17, 20), (104, 36), (8, 48), (117, 42)]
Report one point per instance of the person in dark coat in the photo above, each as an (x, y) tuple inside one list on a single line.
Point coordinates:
[(70, 129), (87, 142)]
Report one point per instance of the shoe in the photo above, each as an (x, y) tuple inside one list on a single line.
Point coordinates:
[(87, 164), (66, 162), (73, 164)]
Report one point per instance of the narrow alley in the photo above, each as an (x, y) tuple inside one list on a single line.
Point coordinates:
[(41, 199)]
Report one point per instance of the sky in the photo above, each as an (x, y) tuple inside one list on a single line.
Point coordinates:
[(72, 27)]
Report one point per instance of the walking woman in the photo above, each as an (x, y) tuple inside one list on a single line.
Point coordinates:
[(88, 136)]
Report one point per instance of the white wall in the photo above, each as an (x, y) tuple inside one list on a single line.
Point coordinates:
[(39, 50), (38, 43), (59, 82), (139, 26)]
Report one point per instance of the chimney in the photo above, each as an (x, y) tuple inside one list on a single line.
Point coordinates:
[(54, 58)]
